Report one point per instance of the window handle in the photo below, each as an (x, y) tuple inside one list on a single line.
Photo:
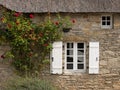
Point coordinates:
[(52, 59), (96, 58)]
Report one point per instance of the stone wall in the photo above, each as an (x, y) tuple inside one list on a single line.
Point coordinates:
[(86, 82), (86, 29)]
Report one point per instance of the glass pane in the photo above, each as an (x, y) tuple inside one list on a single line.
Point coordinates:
[(69, 52), (103, 18), (69, 45), (80, 45), (108, 17), (80, 66), (80, 59), (103, 23), (69, 59), (108, 23), (80, 52), (69, 66)]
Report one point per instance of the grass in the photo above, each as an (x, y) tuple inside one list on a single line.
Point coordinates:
[(28, 84)]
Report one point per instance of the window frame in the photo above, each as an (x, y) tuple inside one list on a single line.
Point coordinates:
[(75, 56), (107, 26)]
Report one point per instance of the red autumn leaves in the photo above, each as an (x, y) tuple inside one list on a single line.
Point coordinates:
[(2, 56), (56, 23), (45, 45), (17, 14), (2, 19), (31, 16), (73, 21)]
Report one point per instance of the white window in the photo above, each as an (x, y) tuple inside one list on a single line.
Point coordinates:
[(106, 21), (74, 61), (75, 57)]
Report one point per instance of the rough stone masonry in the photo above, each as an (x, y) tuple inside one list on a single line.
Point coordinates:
[(86, 29)]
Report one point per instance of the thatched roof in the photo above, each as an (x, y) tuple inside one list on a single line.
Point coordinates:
[(74, 6)]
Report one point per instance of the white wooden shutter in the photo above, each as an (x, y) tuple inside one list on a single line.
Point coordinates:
[(93, 57), (56, 59)]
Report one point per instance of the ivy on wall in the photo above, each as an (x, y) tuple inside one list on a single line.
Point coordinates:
[(30, 43)]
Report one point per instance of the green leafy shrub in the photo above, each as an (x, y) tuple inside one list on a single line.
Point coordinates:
[(30, 43), (28, 84)]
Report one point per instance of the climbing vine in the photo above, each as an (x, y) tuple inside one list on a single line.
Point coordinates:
[(30, 43)]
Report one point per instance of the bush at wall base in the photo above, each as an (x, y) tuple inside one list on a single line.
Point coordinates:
[(28, 84)]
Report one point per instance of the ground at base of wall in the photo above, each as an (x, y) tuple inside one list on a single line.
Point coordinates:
[(70, 82)]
